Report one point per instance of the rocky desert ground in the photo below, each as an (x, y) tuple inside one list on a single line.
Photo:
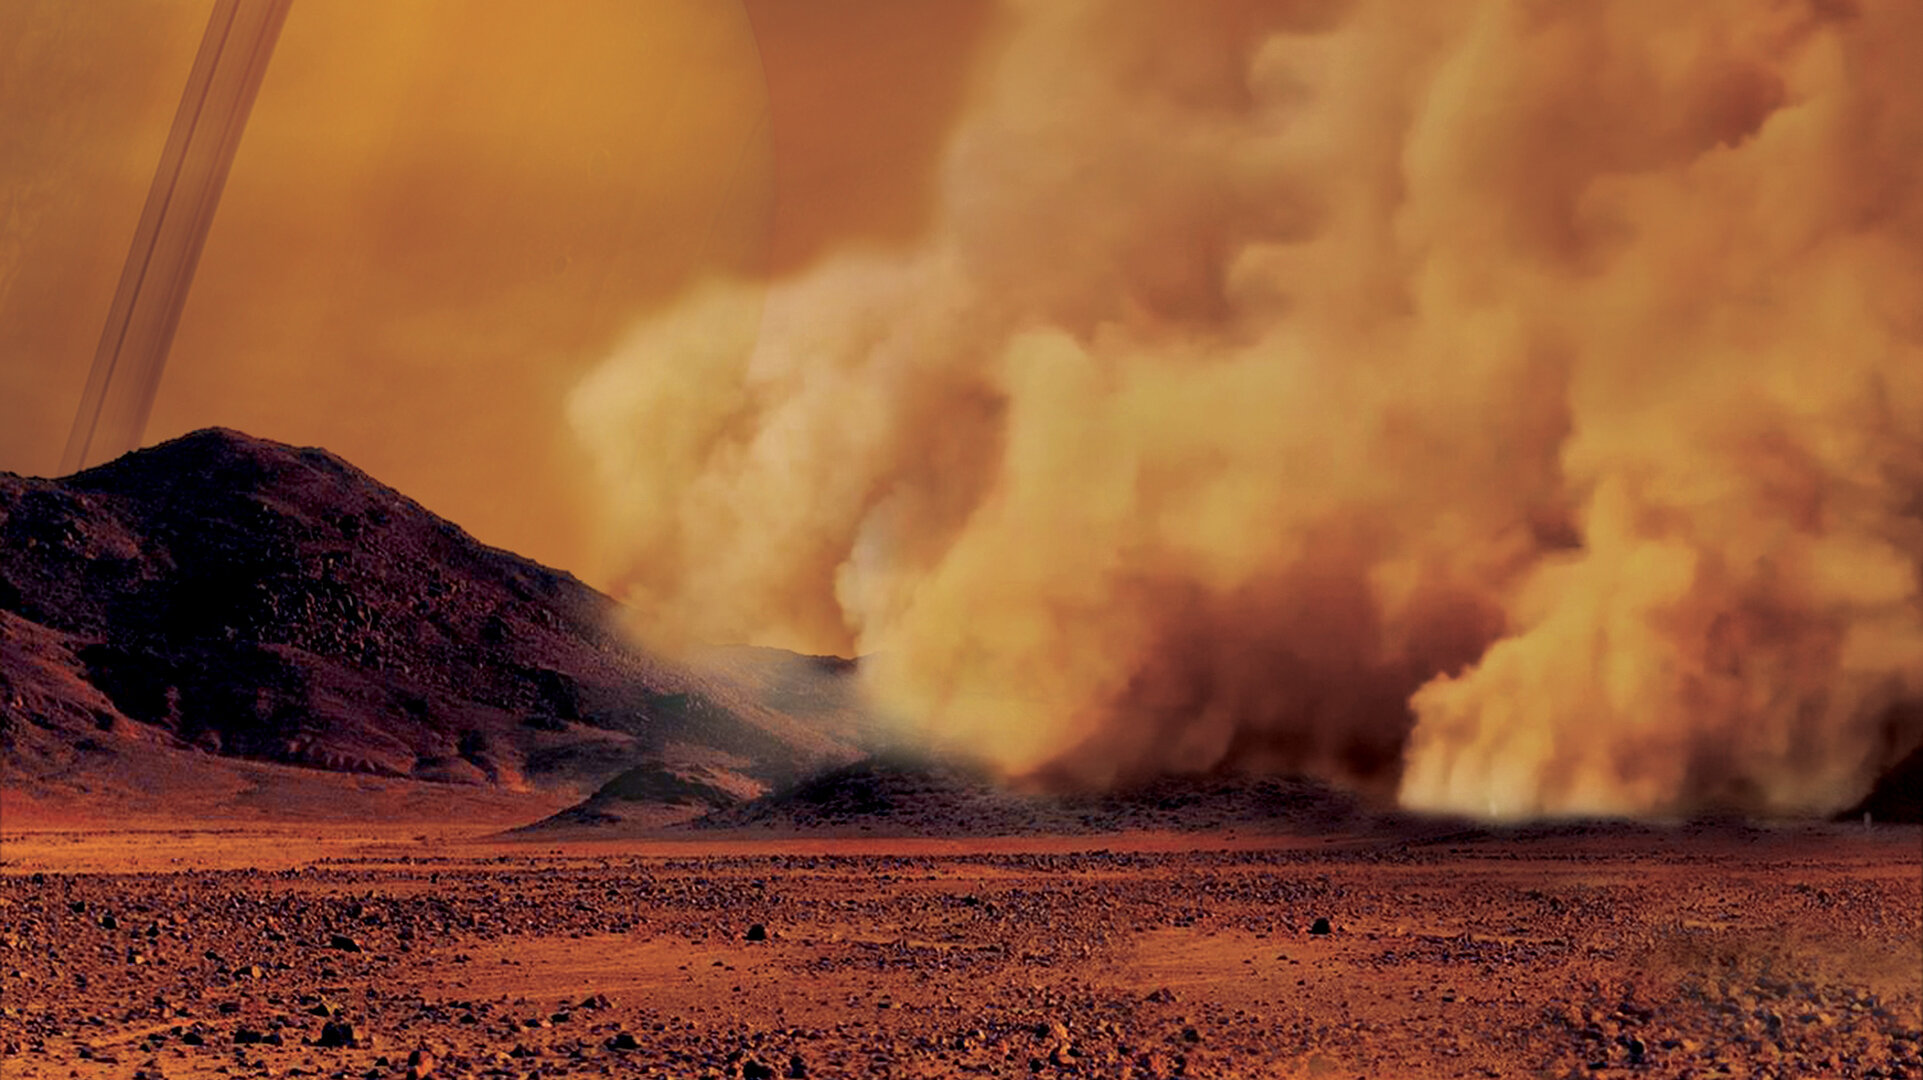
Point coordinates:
[(1551, 951)]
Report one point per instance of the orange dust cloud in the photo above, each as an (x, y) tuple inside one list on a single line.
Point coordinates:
[(1514, 405)]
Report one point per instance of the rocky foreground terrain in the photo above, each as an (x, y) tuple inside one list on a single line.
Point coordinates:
[(1560, 952)]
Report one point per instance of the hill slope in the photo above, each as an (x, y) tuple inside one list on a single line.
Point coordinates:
[(227, 597), (909, 796)]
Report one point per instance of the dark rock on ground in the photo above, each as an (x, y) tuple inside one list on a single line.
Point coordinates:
[(337, 1033)]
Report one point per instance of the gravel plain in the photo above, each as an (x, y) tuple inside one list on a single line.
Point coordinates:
[(1746, 953)]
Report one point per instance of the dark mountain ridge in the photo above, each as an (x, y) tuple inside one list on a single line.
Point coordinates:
[(899, 793), (250, 599)]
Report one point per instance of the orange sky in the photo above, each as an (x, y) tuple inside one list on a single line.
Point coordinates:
[(443, 214)]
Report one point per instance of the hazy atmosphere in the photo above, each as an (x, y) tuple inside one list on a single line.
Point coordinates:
[(1515, 407), (443, 214)]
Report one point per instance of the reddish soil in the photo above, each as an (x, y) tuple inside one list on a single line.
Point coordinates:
[(250, 951)]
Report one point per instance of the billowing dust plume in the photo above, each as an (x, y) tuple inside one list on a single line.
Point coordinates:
[(1516, 403)]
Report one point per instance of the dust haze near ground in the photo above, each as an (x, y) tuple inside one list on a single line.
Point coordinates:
[(1515, 406)]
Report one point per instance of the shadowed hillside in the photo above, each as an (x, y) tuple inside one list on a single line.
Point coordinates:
[(233, 598)]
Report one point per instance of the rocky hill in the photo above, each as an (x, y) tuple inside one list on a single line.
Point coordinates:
[(223, 597), (1898, 796), (905, 795)]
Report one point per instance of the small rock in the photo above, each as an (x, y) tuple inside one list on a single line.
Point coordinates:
[(623, 1041), (1635, 1048), (757, 932), (1320, 926), (344, 943), (420, 1063), (755, 1070), (337, 1033)]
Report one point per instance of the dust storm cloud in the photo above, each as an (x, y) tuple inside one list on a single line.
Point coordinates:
[(1514, 405)]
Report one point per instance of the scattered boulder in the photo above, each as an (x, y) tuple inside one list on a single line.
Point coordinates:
[(1320, 926), (1051, 1031), (1633, 1047), (757, 932), (337, 1033)]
